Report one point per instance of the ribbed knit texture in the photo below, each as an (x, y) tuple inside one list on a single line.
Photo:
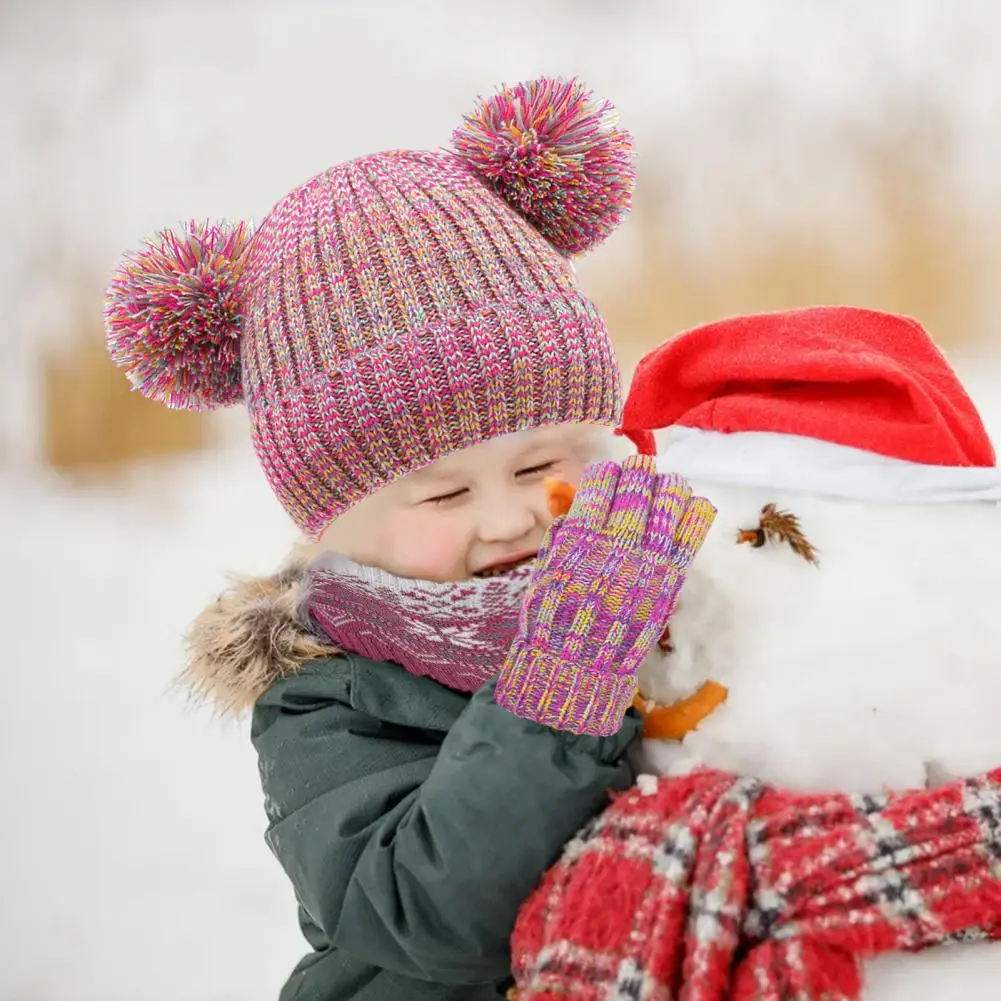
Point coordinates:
[(399, 310)]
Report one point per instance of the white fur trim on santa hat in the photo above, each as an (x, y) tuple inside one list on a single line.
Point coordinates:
[(792, 462)]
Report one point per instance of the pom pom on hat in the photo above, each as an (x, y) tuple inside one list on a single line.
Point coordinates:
[(556, 155), (173, 316)]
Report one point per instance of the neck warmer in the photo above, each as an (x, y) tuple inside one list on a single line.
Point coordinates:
[(456, 633)]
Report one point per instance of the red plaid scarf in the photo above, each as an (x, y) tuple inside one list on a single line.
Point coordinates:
[(711, 887)]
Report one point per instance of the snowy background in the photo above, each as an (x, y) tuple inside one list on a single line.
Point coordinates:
[(132, 863)]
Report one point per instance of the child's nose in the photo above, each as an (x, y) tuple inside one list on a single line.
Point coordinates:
[(507, 522)]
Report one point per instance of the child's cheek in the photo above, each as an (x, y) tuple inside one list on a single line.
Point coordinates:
[(424, 545), (571, 470)]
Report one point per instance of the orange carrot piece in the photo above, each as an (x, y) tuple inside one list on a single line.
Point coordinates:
[(673, 722), (559, 495)]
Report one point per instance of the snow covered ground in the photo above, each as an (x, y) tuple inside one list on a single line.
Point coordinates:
[(131, 853)]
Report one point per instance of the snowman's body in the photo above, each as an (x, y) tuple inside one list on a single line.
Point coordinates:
[(874, 669)]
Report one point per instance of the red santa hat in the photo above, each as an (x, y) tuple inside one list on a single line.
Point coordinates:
[(835, 400)]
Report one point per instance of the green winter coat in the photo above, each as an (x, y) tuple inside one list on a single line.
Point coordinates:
[(411, 820)]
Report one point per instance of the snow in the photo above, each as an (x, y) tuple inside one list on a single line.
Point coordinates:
[(131, 857), (867, 668), (133, 863)]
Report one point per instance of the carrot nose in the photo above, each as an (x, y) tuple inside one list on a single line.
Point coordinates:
[(559, 496)]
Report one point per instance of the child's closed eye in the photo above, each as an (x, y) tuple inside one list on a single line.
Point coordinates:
[(453, 495), (538, 470)]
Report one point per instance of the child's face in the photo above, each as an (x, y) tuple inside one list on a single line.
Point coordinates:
[(469, 513)]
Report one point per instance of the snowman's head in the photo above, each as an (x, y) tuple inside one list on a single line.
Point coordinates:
[(849, 598), (852, 672)]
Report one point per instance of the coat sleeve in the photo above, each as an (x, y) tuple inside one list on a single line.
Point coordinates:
[(414, 851)]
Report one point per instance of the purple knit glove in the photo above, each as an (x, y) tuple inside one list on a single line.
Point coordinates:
[(604, 586)]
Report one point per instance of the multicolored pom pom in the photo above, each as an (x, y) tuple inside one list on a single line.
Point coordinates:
[(173, 316), (556, 155)]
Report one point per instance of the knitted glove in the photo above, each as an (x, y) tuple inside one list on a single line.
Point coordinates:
[(604, 585)]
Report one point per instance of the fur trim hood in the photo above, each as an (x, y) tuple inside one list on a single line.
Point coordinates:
[(248, 638)]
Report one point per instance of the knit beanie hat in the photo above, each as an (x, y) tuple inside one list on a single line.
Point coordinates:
[(837, 400), (397, 307)]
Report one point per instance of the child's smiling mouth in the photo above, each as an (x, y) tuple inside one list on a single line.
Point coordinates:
[(507, 565)]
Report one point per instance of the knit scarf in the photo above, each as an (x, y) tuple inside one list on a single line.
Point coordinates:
[(712, 887), (456, 633)]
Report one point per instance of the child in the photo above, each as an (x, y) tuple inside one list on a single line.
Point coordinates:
[(408, 337)]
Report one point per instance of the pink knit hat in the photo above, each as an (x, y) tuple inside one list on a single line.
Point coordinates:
[(397, 307)]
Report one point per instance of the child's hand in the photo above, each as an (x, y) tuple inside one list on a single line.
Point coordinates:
[(605, 584)]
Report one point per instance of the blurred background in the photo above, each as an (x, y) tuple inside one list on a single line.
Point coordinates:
[(791, 152)]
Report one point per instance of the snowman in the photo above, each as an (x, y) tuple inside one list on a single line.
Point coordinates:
[(821, 818)]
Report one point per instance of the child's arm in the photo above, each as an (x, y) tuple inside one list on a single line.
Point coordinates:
[(413, 849)]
